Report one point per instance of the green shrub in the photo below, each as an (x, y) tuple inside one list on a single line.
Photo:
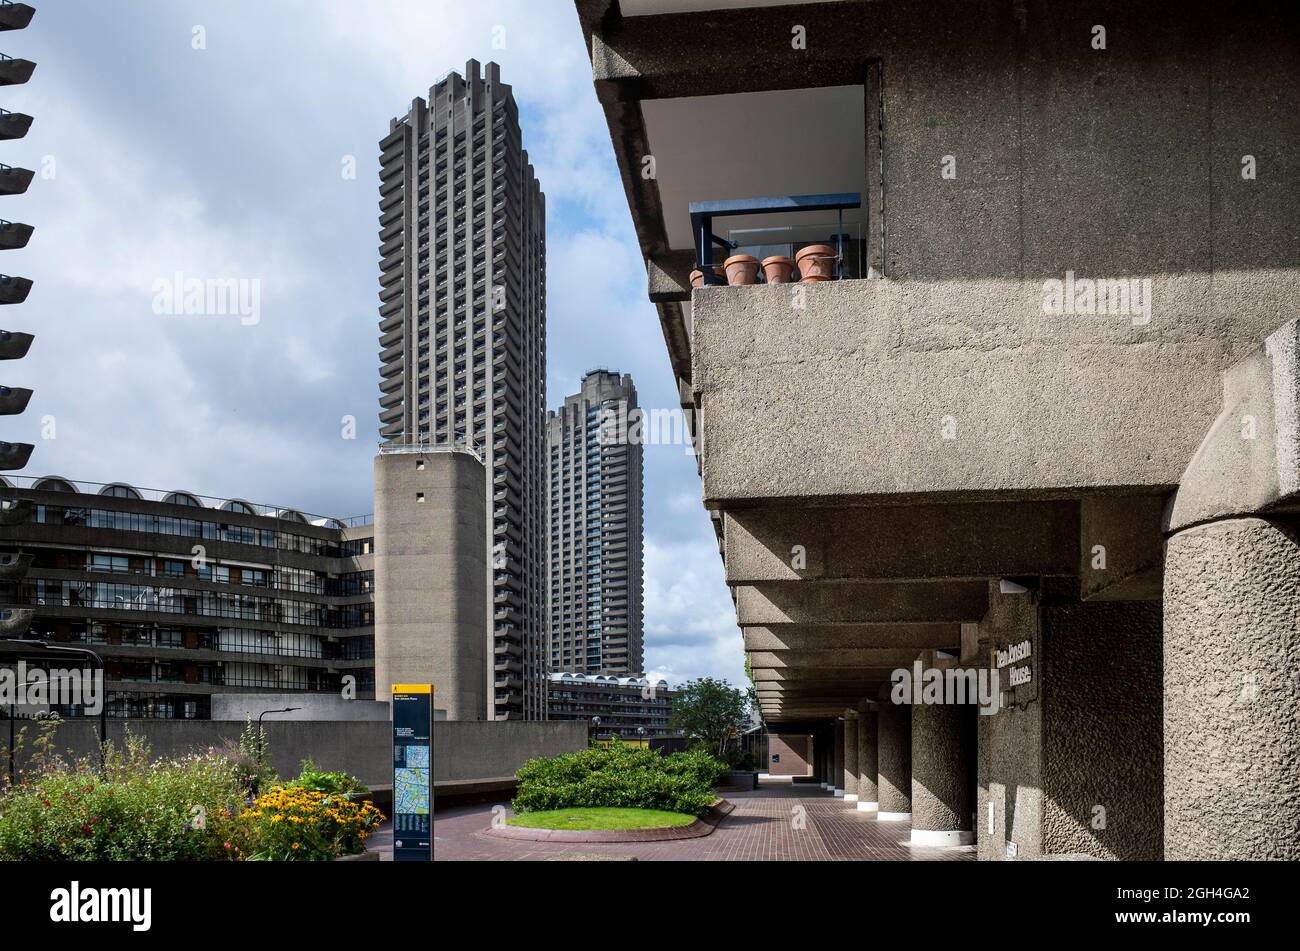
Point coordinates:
[(619, 776), (135, 809), (303, 825), (320, 780)]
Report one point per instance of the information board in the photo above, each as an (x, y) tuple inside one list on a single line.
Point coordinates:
[(412, 773)]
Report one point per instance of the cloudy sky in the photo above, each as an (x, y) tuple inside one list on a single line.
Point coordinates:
[(155, 158)]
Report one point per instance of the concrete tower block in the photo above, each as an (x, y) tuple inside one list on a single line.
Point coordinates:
[(868, 761), (837, 768), (894, 744), (1231, 710), (431, 578), (941, 792), (850, 756)]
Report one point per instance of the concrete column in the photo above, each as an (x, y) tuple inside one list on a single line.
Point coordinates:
[(868, 800), (1231, 710), (837, 770), (894, 745), (941, 792), (850, 779)]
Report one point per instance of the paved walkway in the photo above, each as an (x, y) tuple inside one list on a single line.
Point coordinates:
[(773, 823)]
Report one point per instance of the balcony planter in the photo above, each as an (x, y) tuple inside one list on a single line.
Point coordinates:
[(697, 276), (816, 263), (741, 269), (778, 269)]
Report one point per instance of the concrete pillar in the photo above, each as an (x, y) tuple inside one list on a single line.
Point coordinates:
[(941, 791), (894, 746), (837, 770), (824, 739), (1231, 710), (868, 800), (850, 780)]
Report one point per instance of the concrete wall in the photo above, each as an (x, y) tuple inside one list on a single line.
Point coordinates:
[(364, 749), (495, 749), (1073, 762), (242, 706), (1116, 163), (431, 568), (462, 751)]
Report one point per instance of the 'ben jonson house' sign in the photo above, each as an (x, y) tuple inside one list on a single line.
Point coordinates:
[(1012, 656)]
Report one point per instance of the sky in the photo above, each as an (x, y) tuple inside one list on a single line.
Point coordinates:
[(238, 140)]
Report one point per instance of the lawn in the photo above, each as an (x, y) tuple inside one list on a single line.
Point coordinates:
[(601, 818)]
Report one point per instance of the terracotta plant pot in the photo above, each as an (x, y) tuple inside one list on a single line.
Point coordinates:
[(816, 263), (778, 269), (741, 269), (697, 276)]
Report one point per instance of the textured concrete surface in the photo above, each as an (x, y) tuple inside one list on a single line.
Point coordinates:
[(1102, 759), (1231, 710), (837, 752), (941, 789), (892, 542), (431, 623), (1010, 760), (850, 782), (868, 759), (894, 754), (1249, 461), (490, 749)]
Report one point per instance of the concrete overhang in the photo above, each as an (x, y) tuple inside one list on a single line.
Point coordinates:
[(860, 602), (793, 637), (959, 541)]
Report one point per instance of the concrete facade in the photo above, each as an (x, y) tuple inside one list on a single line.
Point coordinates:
[(185, 596), (1057, 374), (597, 529), (462, 345), (431, 573)]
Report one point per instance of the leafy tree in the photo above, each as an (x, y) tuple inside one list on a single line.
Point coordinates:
[(710, 711)]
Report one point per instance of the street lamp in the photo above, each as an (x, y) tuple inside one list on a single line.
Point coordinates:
[(595, 728), (261, 737)]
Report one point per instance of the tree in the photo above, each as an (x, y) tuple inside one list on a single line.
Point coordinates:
[(711, 711)]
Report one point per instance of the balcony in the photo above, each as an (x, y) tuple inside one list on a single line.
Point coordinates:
[(782, 229), (14, 290), (14, 125), (14, 72), (14, 235), (15, 16), (14, 181)]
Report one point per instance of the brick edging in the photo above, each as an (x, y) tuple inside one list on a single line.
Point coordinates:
[(701, 827)]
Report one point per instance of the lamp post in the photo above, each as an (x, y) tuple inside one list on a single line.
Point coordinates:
[(261, 737), (595, 728)]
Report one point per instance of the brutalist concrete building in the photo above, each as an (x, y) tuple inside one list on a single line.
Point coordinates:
[(1015, 395), (430, 560), (628, 708), (596, 529), (462, 323), (185, 596)]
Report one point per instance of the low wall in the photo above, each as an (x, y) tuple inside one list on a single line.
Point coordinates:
[(463, 751), (466, 750)]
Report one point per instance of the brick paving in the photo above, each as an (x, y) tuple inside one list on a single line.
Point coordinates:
[(777, 822)]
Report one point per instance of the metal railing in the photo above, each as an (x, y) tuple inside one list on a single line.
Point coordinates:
[(703, 212)]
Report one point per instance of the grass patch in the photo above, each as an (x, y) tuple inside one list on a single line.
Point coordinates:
[(598, 817)]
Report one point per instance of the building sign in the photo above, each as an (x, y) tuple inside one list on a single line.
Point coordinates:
[(1012, 656), (412, 773)]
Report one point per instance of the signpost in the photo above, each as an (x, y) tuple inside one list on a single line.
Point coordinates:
[(412, 772)]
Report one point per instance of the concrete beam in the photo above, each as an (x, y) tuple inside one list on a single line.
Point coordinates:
[(1249, 461), (819, 674), (859, 602), (1121, 547), (847, 658), (959, 541), (813, 637), (661, 57)]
